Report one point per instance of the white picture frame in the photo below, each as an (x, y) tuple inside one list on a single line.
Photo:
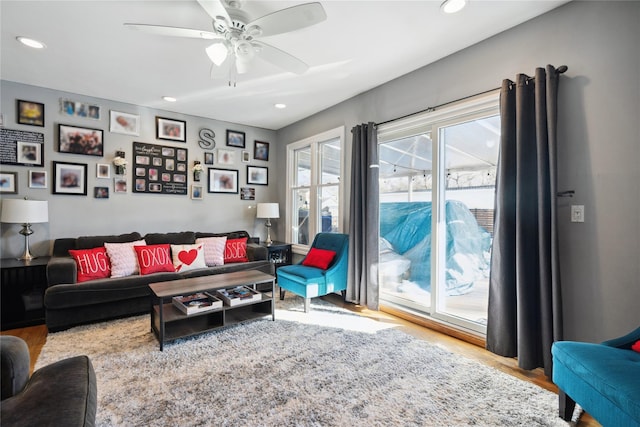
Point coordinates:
[(103, 170), (226, 157), (124, 123)]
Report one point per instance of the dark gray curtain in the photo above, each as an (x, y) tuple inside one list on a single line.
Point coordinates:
[(362, 284), (525, 307)]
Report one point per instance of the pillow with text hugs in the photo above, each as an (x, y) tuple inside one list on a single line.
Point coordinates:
[(154, 258), (92, 263), (636, 346), (319, 258), (187, 257), (124, 261), (213, 249), (235, 251)]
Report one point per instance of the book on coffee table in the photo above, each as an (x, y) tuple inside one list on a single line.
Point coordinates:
[(196, 303), (239, 295)]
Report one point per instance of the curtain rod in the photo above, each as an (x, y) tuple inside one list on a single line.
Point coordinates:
[(561, 69)]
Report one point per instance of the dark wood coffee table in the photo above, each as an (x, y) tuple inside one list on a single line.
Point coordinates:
[(169, 323)]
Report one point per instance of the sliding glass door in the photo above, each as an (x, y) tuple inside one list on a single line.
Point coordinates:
[(437, 181)]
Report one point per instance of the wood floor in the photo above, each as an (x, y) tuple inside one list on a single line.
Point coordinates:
[(466, 345)]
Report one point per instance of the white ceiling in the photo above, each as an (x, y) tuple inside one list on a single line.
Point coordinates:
[(361, 45)]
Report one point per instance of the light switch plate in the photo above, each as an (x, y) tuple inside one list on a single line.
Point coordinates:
[(577, 213)]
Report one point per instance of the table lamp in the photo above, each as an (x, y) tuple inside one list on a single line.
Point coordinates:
[(25, 212), (268, 211)]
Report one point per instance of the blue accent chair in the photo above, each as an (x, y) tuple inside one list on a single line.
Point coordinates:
[(309, 282), (604, 379)]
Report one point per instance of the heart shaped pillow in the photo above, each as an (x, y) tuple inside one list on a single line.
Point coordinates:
[(187, 257)]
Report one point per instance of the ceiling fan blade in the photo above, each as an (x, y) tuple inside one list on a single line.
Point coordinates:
[(280, 58), (290, 19), (215, 10), (162, 30)]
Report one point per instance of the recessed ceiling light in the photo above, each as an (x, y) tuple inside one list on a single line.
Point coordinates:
[(31, 42), (280, 106), (169, 98), (453, 6)]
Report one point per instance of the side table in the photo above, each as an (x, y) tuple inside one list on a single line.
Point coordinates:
[(22, 294), (279, 254)]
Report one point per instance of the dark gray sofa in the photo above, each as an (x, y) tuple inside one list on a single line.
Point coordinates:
[(63, 393), (69, 304)]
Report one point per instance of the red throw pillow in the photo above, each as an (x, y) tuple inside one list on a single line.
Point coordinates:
[(235, 250), (92, 263), (319, 258), (154, 258), (636, 346)]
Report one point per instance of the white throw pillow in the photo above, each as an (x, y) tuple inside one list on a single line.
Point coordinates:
[(188, 257), (124, 261), (213, 249)]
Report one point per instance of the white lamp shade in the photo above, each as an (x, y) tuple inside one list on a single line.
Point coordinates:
[(268, 210), (20, 211)]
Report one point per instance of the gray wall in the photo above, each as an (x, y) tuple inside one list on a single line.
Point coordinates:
[(72, 215), (599, 142)]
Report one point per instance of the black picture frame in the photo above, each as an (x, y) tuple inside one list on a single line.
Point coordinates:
[(171, 129), (258, 175), (222, 181), (80, 140), (30, 113), (235, 138), (69, 178), (261, 150)]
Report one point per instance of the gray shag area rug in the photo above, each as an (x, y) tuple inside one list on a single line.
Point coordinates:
[(329, 367)]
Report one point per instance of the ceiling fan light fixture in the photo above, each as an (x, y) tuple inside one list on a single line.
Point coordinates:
[(217, 52), (31, 42), (453, 6)]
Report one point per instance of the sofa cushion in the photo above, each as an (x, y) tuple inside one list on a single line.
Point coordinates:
[(213, 249), (228, 235), (92, 263), (187, 257), (124, 261), (14, 361), (235, 250), (180, 238), (154, 258), (88, 242)]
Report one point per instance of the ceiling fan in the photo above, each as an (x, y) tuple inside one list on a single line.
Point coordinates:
[(235, 39)]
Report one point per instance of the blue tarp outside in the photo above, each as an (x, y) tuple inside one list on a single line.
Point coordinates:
[(407, 227)]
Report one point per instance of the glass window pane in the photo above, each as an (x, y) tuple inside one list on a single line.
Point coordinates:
[(303, 167), (329, 208), (330, 162), (300, 233)]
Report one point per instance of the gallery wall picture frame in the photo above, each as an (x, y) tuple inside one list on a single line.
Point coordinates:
[(223, 181), (119, 185), (103, 170), (261, 150), (101, 192), (235, 138), (171, 129), (80, 140), (246, 156), (124, 123), (69, 178), (226, 157), (209, 158), (247, 193), (79, 109), (37, 179), (29, 153), (30, 113), (257, 175), (9, 182), (196, 192)]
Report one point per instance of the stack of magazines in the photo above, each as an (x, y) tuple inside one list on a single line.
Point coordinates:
[(239, 295)]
